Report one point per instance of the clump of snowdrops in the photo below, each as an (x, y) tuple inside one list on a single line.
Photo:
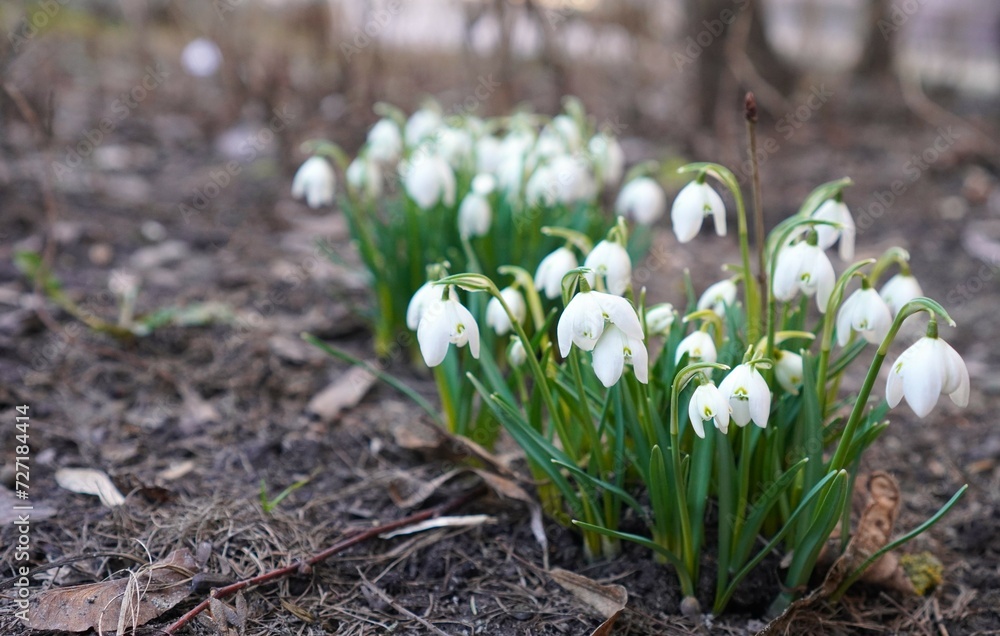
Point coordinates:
[(740, 407)]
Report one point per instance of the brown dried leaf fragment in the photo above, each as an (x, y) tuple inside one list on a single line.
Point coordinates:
[(117, 604), (608, 600)]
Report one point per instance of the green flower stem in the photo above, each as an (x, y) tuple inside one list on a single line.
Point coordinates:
[(526, 282), (829, 320), (840, 458), (892, 255), (743, 485), (447, 398)]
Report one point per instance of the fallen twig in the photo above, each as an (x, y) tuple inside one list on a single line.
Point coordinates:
[(360, 537)]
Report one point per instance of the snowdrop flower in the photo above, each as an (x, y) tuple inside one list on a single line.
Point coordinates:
[(364, 177), (923, 372), (516, 354), (510, 174), (836, 212), (552, 269), (694, 202), (699, 346), (385, 142), (444, 322), (610, 261), (582, 322), (864, 311), (316, 181), (497, 318), (659, 319), (488, 154), (708, 403), (718, 296), (420, 299), (899, 290), (455, 146), (613, 350), (201, 57), (429, 179), (565, 126), (474, 216), (541, 187), (788, 370), (642, 200), (806, 268), (748, 394), (609, 158), (422, 124), (573, 180)]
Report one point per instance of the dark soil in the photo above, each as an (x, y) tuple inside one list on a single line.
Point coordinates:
[(190, 421)]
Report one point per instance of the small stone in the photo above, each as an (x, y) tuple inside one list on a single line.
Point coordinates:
[(101, 254), (153, 231)]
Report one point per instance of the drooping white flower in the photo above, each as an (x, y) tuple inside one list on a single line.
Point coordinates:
[(643, 200), (445, 322), (788, 370), (385, 142), (541, 188), (567, 128), (708, 403), (510, 175), (455, 146), (699, 346), (613, 350), (608, 157), (718, 296), (552, 269), (899, 290), (806, 268), (516, 354), (488, 154), (422, 124), (923, 372), (610, 261), (497, 318), (836, 212), (694, 202), (474, 215), (574, 183), (316, 181), (428, 180), (659, 319), (864, 311), (364, 177), (420, 299), (748, 394), (583, 320)]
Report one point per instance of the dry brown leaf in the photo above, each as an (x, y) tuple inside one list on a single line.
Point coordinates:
[(424, 437), (342, 394), (118, 604), (88, 481), (608, 600), (408, 491)]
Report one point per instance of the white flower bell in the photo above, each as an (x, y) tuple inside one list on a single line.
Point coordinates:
[(420, 299), (694, 202), (659, 319), (864, 311), (699, 347), (643, 200), (610, 261), (806, 268), (488, 154), (385, 142), (608, 157), (422, 124), (315, 181), (552, 269), (583, 320), (444, 322), (718, 296), (516, 354), (497, 318), (364, 177), (899, 290), (748, 394), (428, 180), (613, 350), (836, 212), (708, 403), (788, 370), (923, 372), (474, 215)]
